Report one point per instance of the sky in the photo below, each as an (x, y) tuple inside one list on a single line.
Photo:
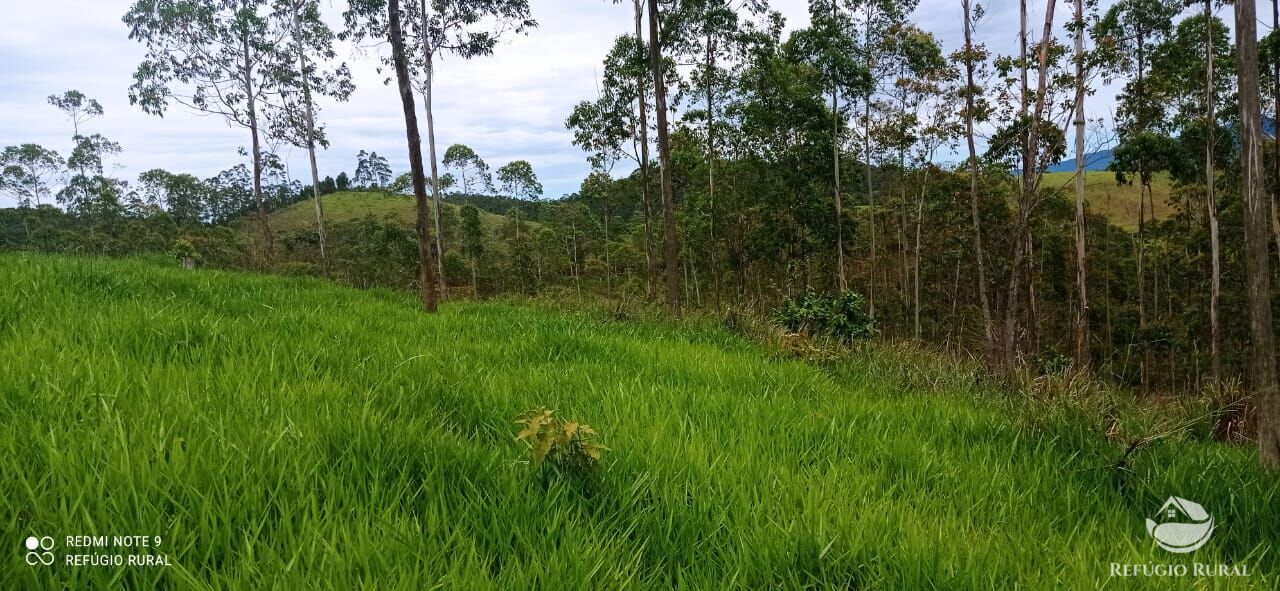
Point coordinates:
[(508, 106)]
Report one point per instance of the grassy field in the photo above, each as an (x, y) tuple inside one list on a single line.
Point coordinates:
[(1118, 202), (288, 433)]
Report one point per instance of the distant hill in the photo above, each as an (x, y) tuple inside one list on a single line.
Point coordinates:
[(1119, 203), (1100, 160), (353, 205), (1093, 162)]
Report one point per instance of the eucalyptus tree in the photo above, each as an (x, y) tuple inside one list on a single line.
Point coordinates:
[(876, 18), (975, 110), (707, 32), (670, 242), (471, 168), (211, 56), (1261, 329), (28, 173), (383, 20), (466, 29), (615, 125), (1131, 30), (828, 45), (89, 191), (303, 72), (1269, 53), (518, 180), (363, 176), (78, 107), (923, 123), (1030, 191), (1082, 289), (79, 110), (636, 74), (185, 197), (1188, 84)]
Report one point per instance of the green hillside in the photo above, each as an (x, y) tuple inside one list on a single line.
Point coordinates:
[(352, 205), (293, 434), (1119, 203)]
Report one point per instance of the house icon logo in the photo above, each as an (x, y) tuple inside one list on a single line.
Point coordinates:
[(1181, 526)]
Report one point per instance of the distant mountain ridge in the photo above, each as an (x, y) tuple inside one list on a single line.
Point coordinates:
[(1100, 160), (1093, 161)]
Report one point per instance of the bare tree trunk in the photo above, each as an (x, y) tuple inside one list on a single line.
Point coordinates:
[(426, 272), (252, 106), (1030, 189), (311, 140), (871, 207), (1082, 305), (979, 255), (1142, 284), (1211, 202), (429, 56), (1255, 235), (670, 247), (649, 267), (919, 225), (608, 268), (1275, 130), (841, 282), (711, 171)]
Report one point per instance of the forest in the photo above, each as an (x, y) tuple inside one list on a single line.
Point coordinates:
[(847, 251)]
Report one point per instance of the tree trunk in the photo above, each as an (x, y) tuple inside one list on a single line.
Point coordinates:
[(311, 140), (1263, 364), (711, 172), (429, 55), (871, 208), (1142, 285), (1275, 130), (649, 267), (979, 255), (1211, 203), (1082, 305), (1026, 200), (919, 225), (252, 106), (426, 272), (669, 246), (841, 282)]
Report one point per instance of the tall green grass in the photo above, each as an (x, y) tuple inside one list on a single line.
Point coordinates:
[(287, 433)]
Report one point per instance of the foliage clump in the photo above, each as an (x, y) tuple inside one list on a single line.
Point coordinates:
[(841, 317), (568, 445), (184, 250)]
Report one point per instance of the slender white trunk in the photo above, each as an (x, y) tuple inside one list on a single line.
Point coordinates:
[(311, 138)]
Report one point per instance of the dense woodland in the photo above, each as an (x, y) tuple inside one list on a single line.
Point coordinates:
[(738, 164)]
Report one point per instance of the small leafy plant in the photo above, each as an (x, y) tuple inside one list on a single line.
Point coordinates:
[(568, 445), (841, 317), (183, 249)]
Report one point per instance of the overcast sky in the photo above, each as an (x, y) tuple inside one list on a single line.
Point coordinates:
[(509, 106)]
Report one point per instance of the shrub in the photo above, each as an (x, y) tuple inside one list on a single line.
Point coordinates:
[(568, 445), (839, 317), (183, 249)]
